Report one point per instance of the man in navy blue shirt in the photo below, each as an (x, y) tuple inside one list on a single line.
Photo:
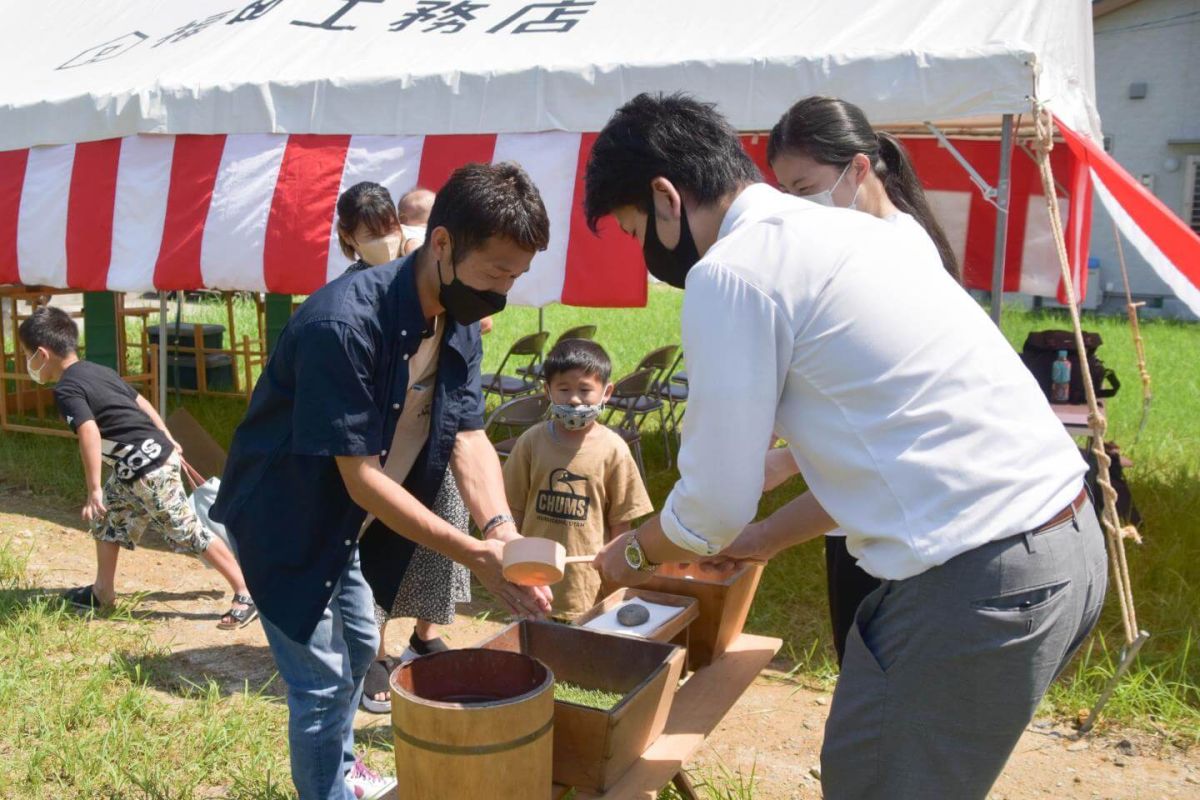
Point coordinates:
[(372, 392)]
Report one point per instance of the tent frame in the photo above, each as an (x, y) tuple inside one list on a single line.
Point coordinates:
[(998, 195)]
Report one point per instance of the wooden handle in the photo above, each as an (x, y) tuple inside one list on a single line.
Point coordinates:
[(579, 559)]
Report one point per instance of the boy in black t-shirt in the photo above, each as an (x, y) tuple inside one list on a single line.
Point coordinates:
[(117, 426)]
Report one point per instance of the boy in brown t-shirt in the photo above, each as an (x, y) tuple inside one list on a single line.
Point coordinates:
[(571, 479)]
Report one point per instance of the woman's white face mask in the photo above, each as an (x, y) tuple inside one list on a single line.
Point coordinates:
[(379, 250), (825, 197), (413, 232)]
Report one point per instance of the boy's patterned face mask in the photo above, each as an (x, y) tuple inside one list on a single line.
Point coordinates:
[(575, 417)]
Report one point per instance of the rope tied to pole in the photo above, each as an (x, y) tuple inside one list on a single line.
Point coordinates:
[(1098, 425), (1139, 347)]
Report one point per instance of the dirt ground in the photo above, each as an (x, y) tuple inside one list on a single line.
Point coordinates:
[(774, 731)]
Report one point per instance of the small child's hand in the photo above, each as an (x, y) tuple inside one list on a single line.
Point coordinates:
[(94, 508)]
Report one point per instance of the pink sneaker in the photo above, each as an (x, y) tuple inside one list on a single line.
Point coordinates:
[(366, 783)]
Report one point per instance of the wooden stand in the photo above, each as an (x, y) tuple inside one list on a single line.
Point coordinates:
[(26, 407), (251, 351), (724, 603), (700, 705), (1074, 417)]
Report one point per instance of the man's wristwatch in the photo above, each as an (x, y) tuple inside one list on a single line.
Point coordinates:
[(635, 557)]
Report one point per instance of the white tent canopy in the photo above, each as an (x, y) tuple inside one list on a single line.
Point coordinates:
[(77, 70), (101, 186)]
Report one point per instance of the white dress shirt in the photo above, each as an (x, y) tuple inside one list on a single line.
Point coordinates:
[(914, 422), (907, 225)]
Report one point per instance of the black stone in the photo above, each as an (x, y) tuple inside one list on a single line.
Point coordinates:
[(632, 614)]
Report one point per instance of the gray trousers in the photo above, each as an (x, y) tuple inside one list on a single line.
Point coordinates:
[(944, 670)]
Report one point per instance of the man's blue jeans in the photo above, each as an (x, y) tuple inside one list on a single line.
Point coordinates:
[(324, 678)]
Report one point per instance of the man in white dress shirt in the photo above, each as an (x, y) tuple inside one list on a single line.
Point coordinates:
[(916, 428)]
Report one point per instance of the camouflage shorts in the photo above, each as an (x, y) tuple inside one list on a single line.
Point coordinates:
[(155, 502)]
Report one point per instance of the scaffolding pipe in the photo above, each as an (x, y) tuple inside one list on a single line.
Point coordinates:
[(1000, 251)]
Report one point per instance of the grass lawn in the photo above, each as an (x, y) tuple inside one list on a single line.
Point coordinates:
[(79, 711), (1162, 690)]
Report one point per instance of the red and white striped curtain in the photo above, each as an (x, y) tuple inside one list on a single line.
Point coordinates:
[(256, 211), (1169, 246), (969, 220)]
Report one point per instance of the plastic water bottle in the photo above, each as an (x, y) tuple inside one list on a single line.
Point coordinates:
[(1060, 379)]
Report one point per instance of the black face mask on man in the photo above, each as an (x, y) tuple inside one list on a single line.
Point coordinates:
[(464, 304), (670, 266)]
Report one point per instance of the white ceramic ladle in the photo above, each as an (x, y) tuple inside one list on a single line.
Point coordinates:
[(537, 562)]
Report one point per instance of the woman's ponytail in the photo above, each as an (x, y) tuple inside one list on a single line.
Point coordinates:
[(833, 131), (906, 193)]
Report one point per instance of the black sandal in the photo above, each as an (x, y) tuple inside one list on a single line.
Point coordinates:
[(377, 681), (84, 597), (241, 616)]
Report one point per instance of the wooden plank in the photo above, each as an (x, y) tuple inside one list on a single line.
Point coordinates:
[(683, 785), (1074, 417), (62, 432), (632, 731), (700, 705), (199, 448)]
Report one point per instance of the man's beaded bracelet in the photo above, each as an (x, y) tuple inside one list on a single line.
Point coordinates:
[(496, 522)]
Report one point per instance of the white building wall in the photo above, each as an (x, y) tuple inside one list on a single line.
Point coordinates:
[(1156, 42)]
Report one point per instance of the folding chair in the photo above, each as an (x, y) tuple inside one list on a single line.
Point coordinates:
[(661, 360), (658, 361), (516, 416), (510, 385), (632, 399), (633, 438), (578, 332), (674, 390), (534, 370)]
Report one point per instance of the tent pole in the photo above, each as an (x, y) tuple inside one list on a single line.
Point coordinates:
[(178, 317), (988, 191), (541, 319), (1128, 654), (999, 252), (162, 354)]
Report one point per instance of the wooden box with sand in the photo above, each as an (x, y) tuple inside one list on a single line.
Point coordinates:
[(593, 747), (724, 601)]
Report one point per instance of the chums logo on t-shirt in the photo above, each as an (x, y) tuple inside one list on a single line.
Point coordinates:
[(562, 501)]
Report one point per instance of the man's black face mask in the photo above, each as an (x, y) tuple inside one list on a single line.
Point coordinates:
[(464, 304), (669, 266)]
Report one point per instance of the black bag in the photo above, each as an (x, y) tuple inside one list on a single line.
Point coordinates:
[(1127, 510), (1041, 351)]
